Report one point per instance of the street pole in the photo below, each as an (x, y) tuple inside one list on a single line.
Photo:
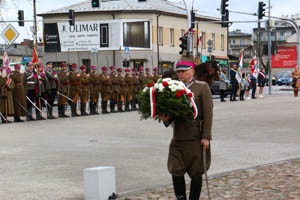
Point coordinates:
[(35, 23), (269, 49), (190, 34)]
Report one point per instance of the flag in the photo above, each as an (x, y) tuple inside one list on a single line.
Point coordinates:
[(199, 39), (5, 60), (254, 67), (35, 58), (238, 74)]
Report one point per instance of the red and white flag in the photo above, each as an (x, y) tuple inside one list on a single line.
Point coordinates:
[(35, 58), (5, 60), (254, 67)]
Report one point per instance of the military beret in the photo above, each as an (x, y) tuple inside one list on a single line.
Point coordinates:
[(93, 67), (103, 68), (17, 66), (74, 65), (155, 69), (83, 67), (120, 69), (112, 67), (127, 70)]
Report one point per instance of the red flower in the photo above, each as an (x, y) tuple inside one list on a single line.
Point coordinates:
[(178, 94), (190, 95), (165, 83), (150, 84), (182, 92)]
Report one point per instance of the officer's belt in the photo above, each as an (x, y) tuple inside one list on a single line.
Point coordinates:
[(75, 83), (65, 83), (31, 82)]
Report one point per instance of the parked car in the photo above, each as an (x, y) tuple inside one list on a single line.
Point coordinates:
[(285, 79), (215, 88)]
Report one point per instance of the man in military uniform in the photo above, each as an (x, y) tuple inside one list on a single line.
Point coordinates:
[(123, 90), (85, 89), (52, 77), (129, 92), (31, 86), (191, 137), (136, 89), (19, 94), (106, 89), (74, 89), (43, 87), (95, 90), (6, 95), (64, 87), (116, 88), (142, 78), (149, 77)]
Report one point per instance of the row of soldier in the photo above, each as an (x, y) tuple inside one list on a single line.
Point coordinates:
[(38, 88)]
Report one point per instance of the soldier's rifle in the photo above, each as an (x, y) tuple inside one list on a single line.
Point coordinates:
[(2, 116), (24, 109), (205, 172), (65, 96)]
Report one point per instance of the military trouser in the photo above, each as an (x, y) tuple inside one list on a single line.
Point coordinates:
[(105, 97), (31, 95)]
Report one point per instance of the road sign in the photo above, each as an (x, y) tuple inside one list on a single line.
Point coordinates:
[(126, 50), (10, 34)]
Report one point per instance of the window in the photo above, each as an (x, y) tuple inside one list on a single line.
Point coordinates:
[(160, 35), (182, 32), (222, 42), (136, 34), (203, 40), (172, 37), (233, 41), (104, 39), (213, 38), (282, 33), (229, 41), (242, 42), (293, 32)]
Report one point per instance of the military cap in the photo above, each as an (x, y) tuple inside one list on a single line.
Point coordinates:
[(127, 70), (83, 67), (74, 65), (104, 68), (120, 70), (17, 66), (112, 67), (155, 69), (184, 65), (93, 67)]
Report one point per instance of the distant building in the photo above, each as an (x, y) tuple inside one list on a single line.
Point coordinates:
[(145, 32), (238, 41)]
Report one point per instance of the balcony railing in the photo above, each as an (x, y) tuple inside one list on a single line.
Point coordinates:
[(239, 46), (273, 38)]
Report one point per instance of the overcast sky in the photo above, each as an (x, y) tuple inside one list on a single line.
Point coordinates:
[(9, 10)]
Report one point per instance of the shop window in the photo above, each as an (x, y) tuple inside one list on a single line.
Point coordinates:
[(136, 34)]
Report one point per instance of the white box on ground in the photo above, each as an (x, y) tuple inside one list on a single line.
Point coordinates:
[(99, 183)]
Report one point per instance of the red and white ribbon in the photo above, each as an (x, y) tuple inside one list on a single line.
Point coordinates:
[(192, 102), (152, 101)]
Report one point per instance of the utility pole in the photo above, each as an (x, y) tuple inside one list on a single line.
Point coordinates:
[(35, 24), (269, 48)]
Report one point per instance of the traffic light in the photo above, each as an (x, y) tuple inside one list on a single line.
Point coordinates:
[(224, 6), (95, 3), (71, 17), (193, 18), (225, 18), (183, 44), (21, 17), (261, 9)]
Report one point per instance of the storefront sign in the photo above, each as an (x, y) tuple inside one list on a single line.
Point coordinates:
[(286, 57)]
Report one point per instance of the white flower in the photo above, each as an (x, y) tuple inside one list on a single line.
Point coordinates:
[(161, 87), (145, 89), (156, 85), (169, 80), (173, 88)]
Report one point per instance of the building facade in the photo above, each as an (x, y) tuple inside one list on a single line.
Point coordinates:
[(145, 33)]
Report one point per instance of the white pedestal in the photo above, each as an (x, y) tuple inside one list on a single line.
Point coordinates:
[(99, 183)]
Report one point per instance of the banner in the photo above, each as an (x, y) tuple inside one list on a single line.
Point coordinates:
[(286, 57), (51, 38)]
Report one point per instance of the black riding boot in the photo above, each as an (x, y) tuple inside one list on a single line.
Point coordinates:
[(133, 105), (103, 107), (29, 113), (91, 108), (60, 112), (196, 186), (17, 119), (63, 111), (74, 110), (112, 107), (127, 106), (120, 105), (82, 109), (38, 115), (179, 187), (95, 107), (50, 113)]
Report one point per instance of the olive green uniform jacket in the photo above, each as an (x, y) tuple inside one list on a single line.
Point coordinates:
[(19, 94), (95, 87), (106, 87), (6, 96), (186, 152)]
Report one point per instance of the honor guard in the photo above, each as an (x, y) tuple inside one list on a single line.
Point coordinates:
[(129, 92), (53, 80), (116, 88), (123, 89), (19, 94), (142, 78), (6, 95), (155, 74), (95, 90), (136, 88), (106, 89), (85, 90), (149, 77), (64, 87), (43, 87), (30, 80), (74, 78)]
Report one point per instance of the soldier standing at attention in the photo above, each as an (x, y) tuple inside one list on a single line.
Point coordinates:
[(6, 95), (191, 137), (142, 79), (74, 89), (116, 88), (123, 89), (30, 80), (149, 77), (85, 89), (95, 90), (52, 77), (64, 87), (43, 86), (106, 89), (129, 91), (136, 88), (19, 94)]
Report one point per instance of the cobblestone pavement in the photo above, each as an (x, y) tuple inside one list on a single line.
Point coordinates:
[(276, 181)]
